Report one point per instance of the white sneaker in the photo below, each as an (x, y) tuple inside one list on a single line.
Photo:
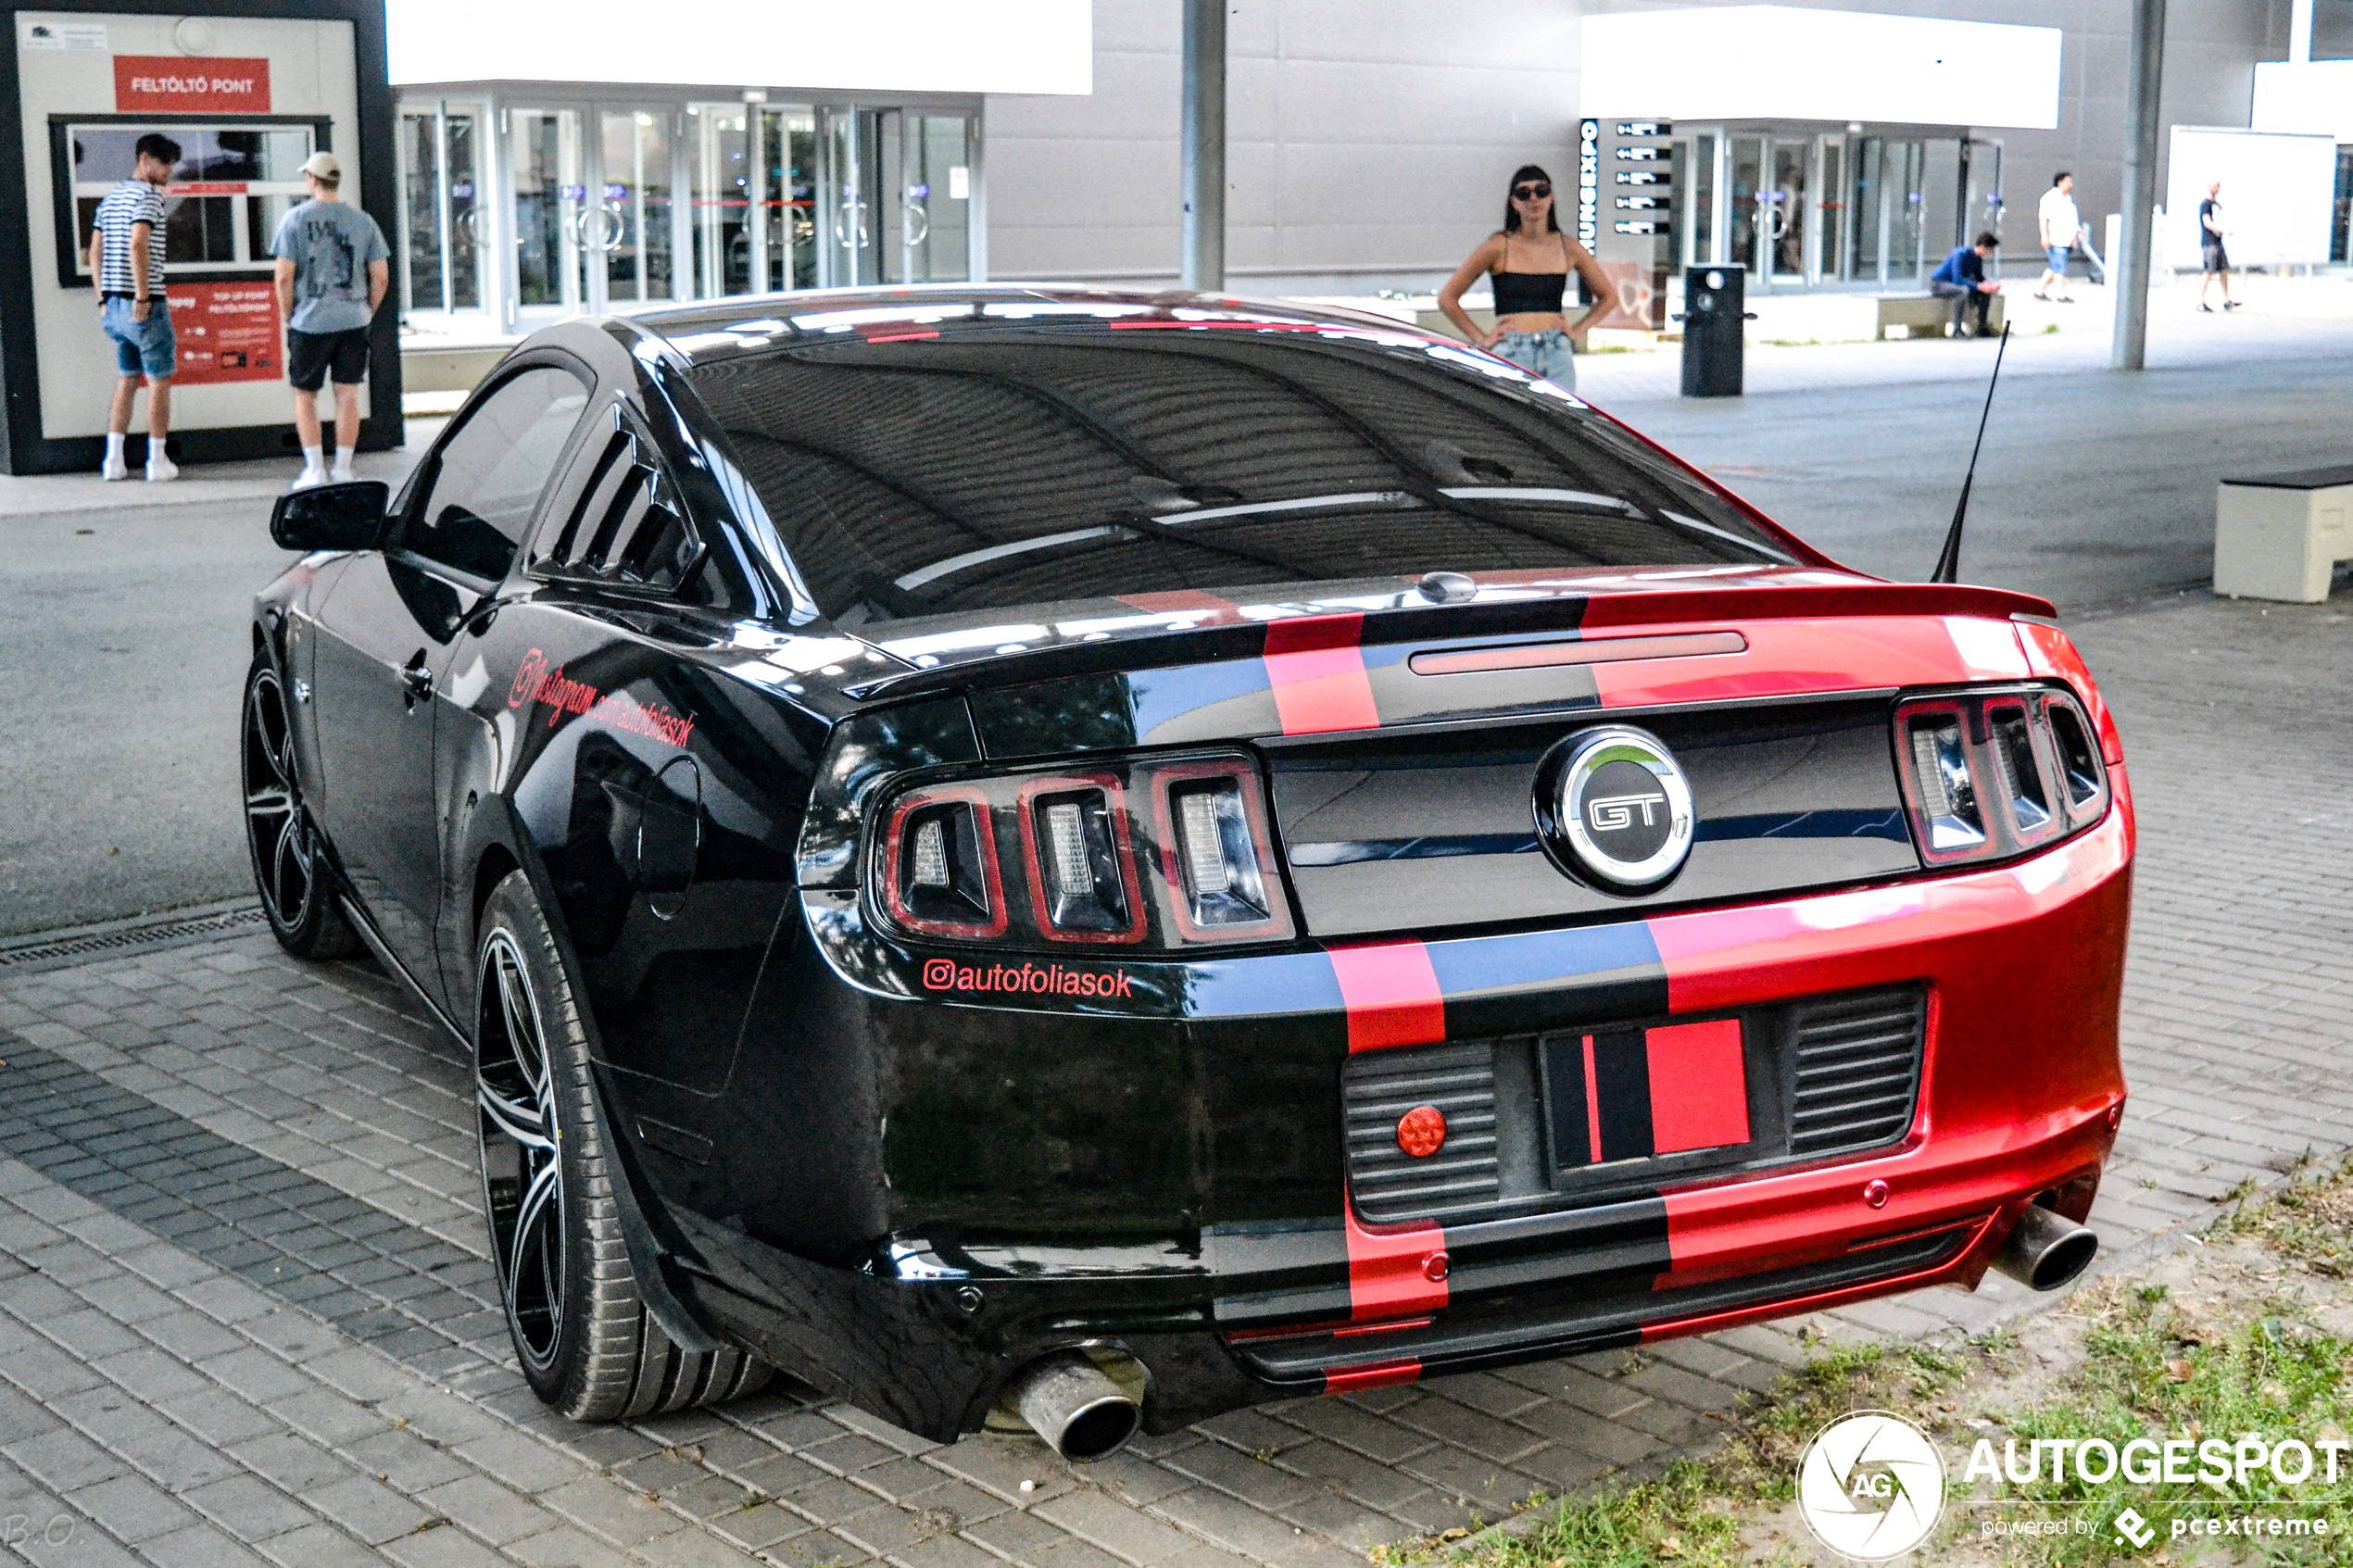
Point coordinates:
[(161, 468), (308, 478), (342, 473), (113, 468)]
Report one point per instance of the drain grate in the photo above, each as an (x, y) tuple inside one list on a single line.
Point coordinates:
[(137, 938)]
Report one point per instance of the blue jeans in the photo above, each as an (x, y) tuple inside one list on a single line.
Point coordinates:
[(1549, 354), (148, 346)]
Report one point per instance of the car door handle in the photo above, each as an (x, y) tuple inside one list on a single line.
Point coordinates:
[(416, 681)]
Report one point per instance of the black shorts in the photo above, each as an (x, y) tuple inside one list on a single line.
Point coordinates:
[(310, 355), (2216, 258)]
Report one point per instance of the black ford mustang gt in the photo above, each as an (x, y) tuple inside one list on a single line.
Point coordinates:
[(1117, 856)]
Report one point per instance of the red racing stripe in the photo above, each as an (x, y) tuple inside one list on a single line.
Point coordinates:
[(1391, 995), (1317, 674), (1389, 1272), (1385, 1374)]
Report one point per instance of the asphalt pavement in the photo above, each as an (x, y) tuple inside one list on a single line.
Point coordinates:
[(123, 643)]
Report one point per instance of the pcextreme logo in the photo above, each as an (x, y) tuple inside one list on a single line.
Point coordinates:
[(1870, 1486)]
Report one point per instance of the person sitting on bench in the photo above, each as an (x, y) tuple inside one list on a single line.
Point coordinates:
[(1962, 280)]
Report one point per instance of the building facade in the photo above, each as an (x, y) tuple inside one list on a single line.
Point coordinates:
[(1369, 140)]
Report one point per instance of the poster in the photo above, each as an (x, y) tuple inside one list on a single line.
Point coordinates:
[(227, 331)]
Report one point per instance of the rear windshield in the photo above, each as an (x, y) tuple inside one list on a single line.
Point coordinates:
[(983, 466)]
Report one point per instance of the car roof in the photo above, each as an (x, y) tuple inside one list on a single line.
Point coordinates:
[(718, 329)]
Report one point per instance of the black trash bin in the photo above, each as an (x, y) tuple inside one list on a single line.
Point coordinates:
[(1714, 310)]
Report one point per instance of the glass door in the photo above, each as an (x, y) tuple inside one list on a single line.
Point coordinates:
[(1782, 218), (783, 221), (1830, 221), (1906, 191), (844, 205), (1866, 214), (724, 162), (926, 231), (1750, 222), (551, 211), (630, 229)]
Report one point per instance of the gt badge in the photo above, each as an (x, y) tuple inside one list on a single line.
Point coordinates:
[(1614, 807)]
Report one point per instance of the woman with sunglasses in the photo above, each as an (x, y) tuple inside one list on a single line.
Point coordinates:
[(1529, 259)]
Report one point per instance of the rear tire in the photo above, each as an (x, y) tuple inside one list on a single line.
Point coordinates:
[(586, 1343), (289, 860)]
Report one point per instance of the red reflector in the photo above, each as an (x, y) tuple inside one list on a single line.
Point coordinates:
[(1421, 1130)]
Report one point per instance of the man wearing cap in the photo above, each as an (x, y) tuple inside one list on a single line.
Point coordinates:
[(333, 269)]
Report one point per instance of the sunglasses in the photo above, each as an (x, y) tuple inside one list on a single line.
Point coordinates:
[(1531, 193)]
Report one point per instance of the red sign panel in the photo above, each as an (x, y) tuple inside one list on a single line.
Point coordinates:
[(190, 84), (227, 331)]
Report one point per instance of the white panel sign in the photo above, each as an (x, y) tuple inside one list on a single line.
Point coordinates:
[(924, 46), (2278, 200), (2314, 96), (1780, 62)]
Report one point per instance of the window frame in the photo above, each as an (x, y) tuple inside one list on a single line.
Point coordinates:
[(418, 486)]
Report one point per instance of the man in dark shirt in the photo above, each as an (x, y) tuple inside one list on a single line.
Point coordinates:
[(1962, 280), (2211, 249)]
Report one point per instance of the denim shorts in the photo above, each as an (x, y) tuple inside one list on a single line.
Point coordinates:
[(1549, 354), (2056, 256), (148, 346)]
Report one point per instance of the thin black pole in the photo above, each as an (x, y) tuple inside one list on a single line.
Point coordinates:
[(2129, 270), (1948, 565)]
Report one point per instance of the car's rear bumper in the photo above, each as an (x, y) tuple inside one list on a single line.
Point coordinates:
[(1229, 1259)]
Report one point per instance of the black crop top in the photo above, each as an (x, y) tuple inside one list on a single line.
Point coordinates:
[(1530, 293)]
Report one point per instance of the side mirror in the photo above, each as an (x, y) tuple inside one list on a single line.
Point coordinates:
[(331, 517)]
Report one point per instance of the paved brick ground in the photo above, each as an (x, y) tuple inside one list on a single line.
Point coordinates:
[(246, 1316)]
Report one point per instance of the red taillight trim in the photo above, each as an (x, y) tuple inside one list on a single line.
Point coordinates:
[(1115, 796), (893, 826), (1162, 778)]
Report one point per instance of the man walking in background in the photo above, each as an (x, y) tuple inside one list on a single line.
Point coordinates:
[(333, 269), (127, 265), (2059, 223), (1962, 280), (2209, 243)]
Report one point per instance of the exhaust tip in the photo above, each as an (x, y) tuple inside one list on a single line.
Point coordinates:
[(2047, 1250), (1075, 1405)]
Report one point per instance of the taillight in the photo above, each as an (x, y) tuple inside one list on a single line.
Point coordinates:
[(1220, 862), (940, 870), (1161, 851), (1994, 773), (1082, 871)]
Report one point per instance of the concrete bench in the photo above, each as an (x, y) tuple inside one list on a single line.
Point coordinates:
[(1924, 314), (2277, 536)]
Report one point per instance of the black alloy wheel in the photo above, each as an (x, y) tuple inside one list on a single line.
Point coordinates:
[(586, 1343), (289, 869)]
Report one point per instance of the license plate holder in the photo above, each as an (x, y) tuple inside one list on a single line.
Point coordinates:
[(1677, 1092)]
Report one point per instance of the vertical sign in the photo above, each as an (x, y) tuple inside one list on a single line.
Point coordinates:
[(1589, 182)]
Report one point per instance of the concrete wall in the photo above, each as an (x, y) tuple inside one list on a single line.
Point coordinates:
[(1369, 143)]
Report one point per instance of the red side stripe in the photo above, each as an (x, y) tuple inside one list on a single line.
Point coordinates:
[(1317, 674), (1699, 1085), (1592, 1101), (1391, 995), (1383, 1376)]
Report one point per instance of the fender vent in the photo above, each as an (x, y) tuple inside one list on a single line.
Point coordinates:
[(1855, 1070), (1379, 1087)]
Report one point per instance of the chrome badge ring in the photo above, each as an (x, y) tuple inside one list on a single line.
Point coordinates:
[(1620, 810)]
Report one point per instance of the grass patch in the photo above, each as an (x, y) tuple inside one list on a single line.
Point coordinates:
[(2310, 1219), (2158, 1368), (1692, 1515)]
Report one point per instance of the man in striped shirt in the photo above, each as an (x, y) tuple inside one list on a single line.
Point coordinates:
[(128, 264)]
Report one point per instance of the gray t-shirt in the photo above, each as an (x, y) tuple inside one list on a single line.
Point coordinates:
[(330, 245)]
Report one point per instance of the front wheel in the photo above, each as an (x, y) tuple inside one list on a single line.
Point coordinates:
[(587, 1346), (289, 868)]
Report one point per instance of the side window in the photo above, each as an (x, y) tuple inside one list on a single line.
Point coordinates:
[(487, 478)]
